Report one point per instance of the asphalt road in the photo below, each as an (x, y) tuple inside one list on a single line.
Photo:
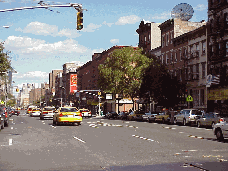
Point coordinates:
[(101, 144)]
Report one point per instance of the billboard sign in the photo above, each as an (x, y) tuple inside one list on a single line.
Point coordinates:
[(73, 82)]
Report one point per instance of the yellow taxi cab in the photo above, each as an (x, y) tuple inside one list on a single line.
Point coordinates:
[(35, 112), (29, 110), (135, 115), (67, 115)]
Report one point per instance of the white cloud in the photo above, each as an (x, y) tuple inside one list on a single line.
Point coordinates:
[(114, 41), (165, 15), (29, 46), (38, 28), (146, 22), (44, 29), (200, 7), (131, 19), (30, 77), (108, 24), (91, 27)]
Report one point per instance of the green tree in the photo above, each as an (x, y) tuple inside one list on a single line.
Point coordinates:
[(122, 72), (5, 62), (163, 88)]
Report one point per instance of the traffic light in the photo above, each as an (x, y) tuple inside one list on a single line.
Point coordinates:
[(17, 89), (79, 20)]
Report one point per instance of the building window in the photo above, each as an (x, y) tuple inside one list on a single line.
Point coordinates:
[(171, 37), (180, 55), (163, 40), (167, 59), (197, 71), (162, 58), (145, 38), (167, 39), (226, 48), (203, 70), (225, 20), (191, 51), (175, 60), (149, 36), (203, 47), (202, 98), (171, 58)]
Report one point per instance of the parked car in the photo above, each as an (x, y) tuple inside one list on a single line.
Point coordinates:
[(188, 116), (47, 112), (67, 115), (220, 129), (5, 116), (112, 115), (135, 115), (163, 117), (209, 119), (1, 121), (150, 116), (85, 112), (123, 115)]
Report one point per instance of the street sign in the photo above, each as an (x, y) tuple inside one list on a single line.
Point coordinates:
[(189, 98)]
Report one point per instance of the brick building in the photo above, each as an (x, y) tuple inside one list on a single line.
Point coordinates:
[(217, 55)]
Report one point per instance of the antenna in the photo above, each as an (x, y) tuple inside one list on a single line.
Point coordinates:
[(182, 11)]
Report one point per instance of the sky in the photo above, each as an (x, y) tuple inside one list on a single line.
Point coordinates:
[(41, 40)]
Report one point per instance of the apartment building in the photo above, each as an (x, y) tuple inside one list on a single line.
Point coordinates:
[(183, 50), (149, 35), (217, 35)]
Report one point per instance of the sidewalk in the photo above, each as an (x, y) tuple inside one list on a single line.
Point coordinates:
[(98, 117)]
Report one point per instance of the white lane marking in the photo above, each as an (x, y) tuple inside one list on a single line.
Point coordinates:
[(11, 127), (79, 139), (181, 132), (10, 141)]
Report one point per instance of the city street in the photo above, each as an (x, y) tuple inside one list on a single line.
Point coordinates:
[(101, 144)]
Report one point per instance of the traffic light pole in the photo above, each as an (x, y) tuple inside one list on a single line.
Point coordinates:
[(99, 97), (78, 7)]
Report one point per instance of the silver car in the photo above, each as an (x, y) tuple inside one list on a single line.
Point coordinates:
[(209, 119), (220, 129), (187, 116)]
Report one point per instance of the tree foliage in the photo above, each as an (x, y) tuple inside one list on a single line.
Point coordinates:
[(163, 88), (5, 62), (122, 71)]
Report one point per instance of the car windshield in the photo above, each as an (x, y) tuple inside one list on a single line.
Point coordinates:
[(49, 109), (68, 110), (185, 112)]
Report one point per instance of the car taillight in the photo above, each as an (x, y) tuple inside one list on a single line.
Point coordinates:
[(80, 114), (45, 112), (6, 114), (60, 114), (221, 120)]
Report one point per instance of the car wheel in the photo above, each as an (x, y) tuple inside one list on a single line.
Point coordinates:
[(175, 121), (219, 135), (184, 122), (76, 124), (163, 120), (6, 124), (149, 120), (198, 124), (212, 125), (2, 126)]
